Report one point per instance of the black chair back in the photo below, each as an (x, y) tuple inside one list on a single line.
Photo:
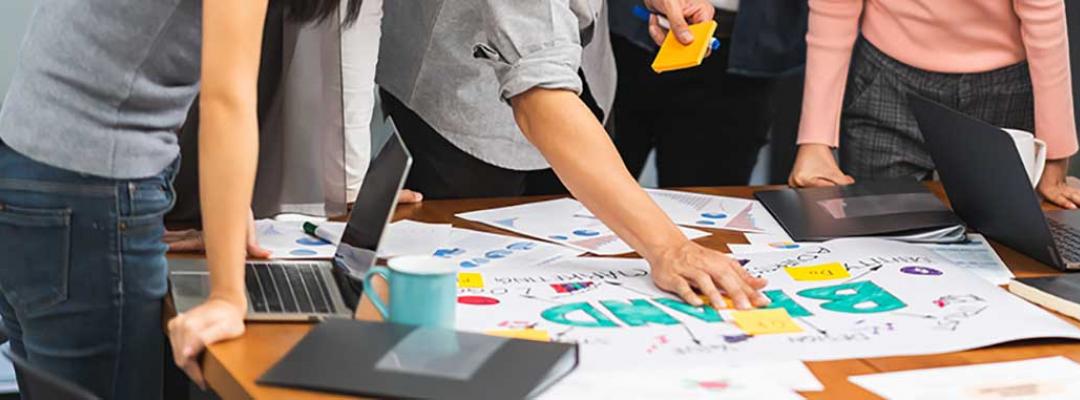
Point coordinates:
[(38, 384)]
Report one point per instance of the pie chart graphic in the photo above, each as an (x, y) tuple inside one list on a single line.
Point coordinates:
[(714, 215), (558, 237), (312, 242), (586, 233), (303, 252), (784, 245)]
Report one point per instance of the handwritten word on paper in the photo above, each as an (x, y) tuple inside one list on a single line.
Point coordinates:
[(539, 335), (823, 272), (470, 280), (765, 322)]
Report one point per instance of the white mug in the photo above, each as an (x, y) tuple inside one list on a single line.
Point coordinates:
[(1032, 153)]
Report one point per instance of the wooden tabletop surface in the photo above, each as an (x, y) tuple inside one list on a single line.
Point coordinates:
[(232, 367)]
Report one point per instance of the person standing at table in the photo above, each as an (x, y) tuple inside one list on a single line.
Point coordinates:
[(88, 151), (1003, 61), (713, 124), (455, 67)]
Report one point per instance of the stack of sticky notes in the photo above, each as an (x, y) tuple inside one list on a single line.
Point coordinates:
[(674, 55)]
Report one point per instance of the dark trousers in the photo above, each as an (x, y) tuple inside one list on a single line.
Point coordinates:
[(707, 125), (442, 171)]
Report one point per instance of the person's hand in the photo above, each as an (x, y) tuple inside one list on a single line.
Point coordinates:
[(191, 241), (681, 269), (407, 196), (680, 15), (214, 321), (1054, 188), (815, 166)]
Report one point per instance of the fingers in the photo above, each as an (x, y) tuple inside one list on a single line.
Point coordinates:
[(677, 21), (681, 288), (194, 372), (656, 32), (407, 196), (191, 245), (705, 285), (253, 248)]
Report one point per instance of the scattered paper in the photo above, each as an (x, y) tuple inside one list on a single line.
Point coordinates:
[(562, 221), (823, 272), (287, 239), (900, 299), (408, 237), (764, 322), (975, 254), (1052, 378), (717, 212), (772, 380)]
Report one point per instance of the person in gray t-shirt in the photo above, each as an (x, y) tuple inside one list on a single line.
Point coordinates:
[(493, 110), (87, 156)]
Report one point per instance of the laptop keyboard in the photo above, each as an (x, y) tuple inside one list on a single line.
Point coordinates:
[(287, 288), (1067, 239)]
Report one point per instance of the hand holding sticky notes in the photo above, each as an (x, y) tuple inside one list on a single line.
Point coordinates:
[(470, 280), (764, 322), (823, 272), (674, 55)]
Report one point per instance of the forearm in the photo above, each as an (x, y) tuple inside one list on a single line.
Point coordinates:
[(833, 29), (582, 154), (1046, 43), (228, 152)]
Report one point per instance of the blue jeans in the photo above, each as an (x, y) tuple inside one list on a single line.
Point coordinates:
[(83, 274)]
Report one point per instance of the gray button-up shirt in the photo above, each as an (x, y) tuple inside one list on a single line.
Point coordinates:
[(456, 62)]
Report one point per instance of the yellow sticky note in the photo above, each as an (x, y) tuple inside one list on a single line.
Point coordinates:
[(727, 302), (674, 55), (539, 335), (823, 272), (470, 280), (764, 322)]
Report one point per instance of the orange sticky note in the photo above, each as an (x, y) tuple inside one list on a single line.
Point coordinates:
[(727, 302), (539, 335), (765, 322), (470, 280), (674, 55), (823, 272)]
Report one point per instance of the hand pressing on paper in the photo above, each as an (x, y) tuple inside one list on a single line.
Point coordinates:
[(690, 266), (680, 15)]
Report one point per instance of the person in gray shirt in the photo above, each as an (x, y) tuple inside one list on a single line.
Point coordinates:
[(88, 151), (489, 97)]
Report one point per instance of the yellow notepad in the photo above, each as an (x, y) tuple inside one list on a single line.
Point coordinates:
[(675, 56)]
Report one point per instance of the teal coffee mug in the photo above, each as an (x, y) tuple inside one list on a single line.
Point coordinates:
[(423, 291)]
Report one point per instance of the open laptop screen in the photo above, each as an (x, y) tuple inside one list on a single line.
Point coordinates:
[(374, 207)]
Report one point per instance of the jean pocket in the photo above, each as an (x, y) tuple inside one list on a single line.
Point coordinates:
[(36, 246)]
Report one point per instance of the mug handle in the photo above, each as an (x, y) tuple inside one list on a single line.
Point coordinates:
[(1040, 160), (379, 306)]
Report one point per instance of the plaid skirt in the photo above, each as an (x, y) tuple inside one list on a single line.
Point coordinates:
[(879, 137)]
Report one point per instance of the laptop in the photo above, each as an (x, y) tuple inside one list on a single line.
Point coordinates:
[(989, 188), (281, 290)]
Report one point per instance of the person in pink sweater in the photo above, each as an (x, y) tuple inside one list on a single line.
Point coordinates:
[(1003, 61)]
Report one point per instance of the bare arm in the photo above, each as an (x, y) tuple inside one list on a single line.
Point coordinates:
[(573, 141), (228, 152)]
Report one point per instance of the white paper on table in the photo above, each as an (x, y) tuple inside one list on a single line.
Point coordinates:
[(468, 248), (976, 255), (1051, 378), (562, 221), (409, 237), (287, 239), (683, 383), (716, 212), (894, 299)]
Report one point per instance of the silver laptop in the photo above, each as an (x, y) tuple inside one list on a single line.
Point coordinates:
[(313, 290)]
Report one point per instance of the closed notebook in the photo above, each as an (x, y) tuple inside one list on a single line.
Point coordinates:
[(1059, 293), (674, 55), (900, 209), (382, 360)]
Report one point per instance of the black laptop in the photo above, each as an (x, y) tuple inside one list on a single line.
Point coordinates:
[(989, 188)]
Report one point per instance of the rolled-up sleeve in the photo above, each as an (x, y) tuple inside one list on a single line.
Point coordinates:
[(534, 43)]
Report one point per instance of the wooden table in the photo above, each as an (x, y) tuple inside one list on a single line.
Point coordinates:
[(232, 367)]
